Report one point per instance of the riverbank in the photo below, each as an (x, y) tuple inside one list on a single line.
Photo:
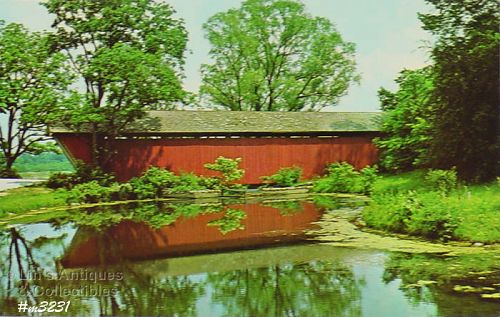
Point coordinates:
[(405, 203), (20, 200), (409, 203)]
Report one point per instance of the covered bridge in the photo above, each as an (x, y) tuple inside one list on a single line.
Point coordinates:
[(183, 141)]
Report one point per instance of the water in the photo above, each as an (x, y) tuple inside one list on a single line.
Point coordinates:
[(232, 259)]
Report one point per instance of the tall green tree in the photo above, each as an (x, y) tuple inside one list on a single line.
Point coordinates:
[(407, 122), (129, 56), (33, 88), (270, 55), (466, 57)]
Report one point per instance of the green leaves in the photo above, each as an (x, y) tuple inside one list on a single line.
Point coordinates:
[(466, 129), (229, 168), (271, 55), (284, 177), (407, 121), (34, 86), (129, 55)]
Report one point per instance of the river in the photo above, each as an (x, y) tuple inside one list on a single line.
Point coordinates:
[(265, 258)]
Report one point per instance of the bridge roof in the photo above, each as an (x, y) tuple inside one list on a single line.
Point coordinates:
[(181, 122)]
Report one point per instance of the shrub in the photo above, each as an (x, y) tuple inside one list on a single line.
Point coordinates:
[(369, 175), (60, 180), (389, 211), (90, 192), (343, 178), (153, 182), (442, 180), (229, 168), (424, 214), (12, 173), (188, 181), (285, 177), (210, 182), (432, 218), (84, 173)]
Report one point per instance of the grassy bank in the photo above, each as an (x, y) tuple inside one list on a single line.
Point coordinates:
[(410, 203), (19, 200)]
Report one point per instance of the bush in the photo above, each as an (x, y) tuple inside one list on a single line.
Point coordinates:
[(285, 177), (432, 218), (369, 176), (229, 168), (12, 173), (60, 180), (442, 180), (189, 182), (389, 211), (343, 178), (153, 182), (425, 214), (90, 192), (84, 173)]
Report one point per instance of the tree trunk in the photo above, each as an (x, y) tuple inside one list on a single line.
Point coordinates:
[(8, 171)]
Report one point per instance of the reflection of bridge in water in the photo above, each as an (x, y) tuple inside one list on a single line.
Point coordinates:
[(128, 240)]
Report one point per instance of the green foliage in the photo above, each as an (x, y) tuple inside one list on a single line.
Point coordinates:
[(43, 162), (401, 183), (285, 177), (326, 202), (91, 192), (286, 207), (187, 182), (442, 180), (343, 178), (270, 55), (156, 182), (369, 176), (34, 85), (421, 214), (29, 198), (99, 219), (60, 180), (84, 173), (446, 273), (230, 221), (407, 121), (9, 173), (153, 182), (229, 168), (414, 203), (466, 127), (129, 54)]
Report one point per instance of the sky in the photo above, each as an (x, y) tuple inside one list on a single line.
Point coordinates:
[(387, 35)]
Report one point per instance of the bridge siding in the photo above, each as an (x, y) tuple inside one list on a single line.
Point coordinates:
[(260, 156)]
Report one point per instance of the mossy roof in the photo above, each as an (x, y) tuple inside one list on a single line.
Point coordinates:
[(233, 122)]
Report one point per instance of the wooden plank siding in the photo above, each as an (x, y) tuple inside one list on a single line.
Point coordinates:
[(260, 155)]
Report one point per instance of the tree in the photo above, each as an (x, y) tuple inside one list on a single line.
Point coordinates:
[(129, 55), (407, 121), (466, 129), (270, 55), (33, 87)]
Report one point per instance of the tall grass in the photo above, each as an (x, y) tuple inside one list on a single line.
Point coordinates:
[(409, 203)]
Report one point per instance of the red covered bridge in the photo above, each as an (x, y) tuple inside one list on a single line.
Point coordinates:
[(183, 141)]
